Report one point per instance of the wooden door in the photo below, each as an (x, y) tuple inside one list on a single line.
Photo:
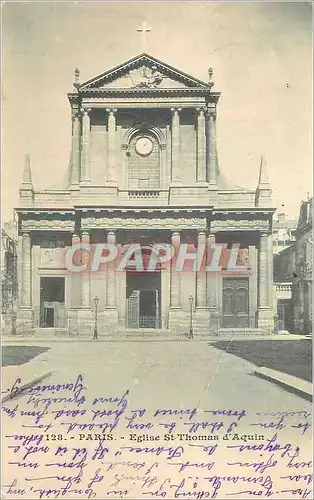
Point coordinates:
[(235, 303)]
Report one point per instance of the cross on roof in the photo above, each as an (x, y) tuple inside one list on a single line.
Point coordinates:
[(144, 29)]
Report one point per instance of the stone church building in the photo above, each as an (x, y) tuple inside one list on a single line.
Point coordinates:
[(144, 168)]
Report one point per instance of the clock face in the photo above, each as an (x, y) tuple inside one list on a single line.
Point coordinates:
[(144, 146)]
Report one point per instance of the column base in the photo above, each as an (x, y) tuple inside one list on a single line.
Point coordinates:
[(25, 320), (176, 320), (108, 322), (265, 319), (214, 321), (81, 322), (200, 320)]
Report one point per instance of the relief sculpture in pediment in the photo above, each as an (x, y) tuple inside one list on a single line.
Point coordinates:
[(150, 78), (144, 77)]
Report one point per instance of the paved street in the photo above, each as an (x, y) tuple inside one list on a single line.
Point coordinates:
[(289, 356), (177, 372), (162, 375)]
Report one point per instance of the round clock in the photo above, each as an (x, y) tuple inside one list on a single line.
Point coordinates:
[(144, 146)]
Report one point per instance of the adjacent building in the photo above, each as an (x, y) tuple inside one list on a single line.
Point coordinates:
[(303, 271), (144, 169), (284, 265), (9, 280)]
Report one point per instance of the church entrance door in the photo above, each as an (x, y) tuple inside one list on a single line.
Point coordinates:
[(143, 296), (235, 303), (52, 294)]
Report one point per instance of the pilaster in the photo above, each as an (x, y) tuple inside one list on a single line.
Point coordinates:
[(201, 147), (265, 315), (85, 290), (111, 276), (26, 292), (212, 278), (111, 174), (176, 315), (211, 148), (201, 287), (75, 153), (175, 277), (175, 147), (25, 314), (85, 177)]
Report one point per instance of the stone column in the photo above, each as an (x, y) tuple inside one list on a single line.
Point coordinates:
[(175, 146), (175, 276), (201, 146), (111, 177), (26, 295), (75, 162), (111, 276), (211, 148), (85, 297), (263, 270), (201, 275), (213, 286), (85, 177), (270, 271), (212, 276), (265, 315), (76, 277)]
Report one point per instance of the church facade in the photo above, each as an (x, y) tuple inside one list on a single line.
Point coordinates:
[(144, 170)]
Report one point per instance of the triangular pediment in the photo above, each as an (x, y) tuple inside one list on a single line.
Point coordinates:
[(143, 72)]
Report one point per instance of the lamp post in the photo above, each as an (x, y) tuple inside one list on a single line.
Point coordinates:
[(96, 300), (191, 300)]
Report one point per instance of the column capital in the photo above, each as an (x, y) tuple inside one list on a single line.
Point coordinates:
[(176, 234), (175, 111), (201, 234), (85, 238), (26, 234), (86, 111), (212, 114), (111, 111), (111, 233), (202, 110), (75, 115)]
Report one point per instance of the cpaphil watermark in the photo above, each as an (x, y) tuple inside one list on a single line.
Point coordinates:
[(83, 257)]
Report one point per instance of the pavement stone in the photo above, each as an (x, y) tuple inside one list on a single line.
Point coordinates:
[(45, 364), (30, 374), (294, 384)]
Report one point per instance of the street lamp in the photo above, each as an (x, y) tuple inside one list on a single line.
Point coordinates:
[(191, 300), (96, 300)]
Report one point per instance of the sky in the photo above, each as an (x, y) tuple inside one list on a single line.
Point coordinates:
[(260, 53)]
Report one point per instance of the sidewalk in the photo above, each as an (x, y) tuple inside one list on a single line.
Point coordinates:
[(293, 384), (30, 374)]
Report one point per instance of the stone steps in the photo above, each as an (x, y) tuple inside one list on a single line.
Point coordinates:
[(242, 331)]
